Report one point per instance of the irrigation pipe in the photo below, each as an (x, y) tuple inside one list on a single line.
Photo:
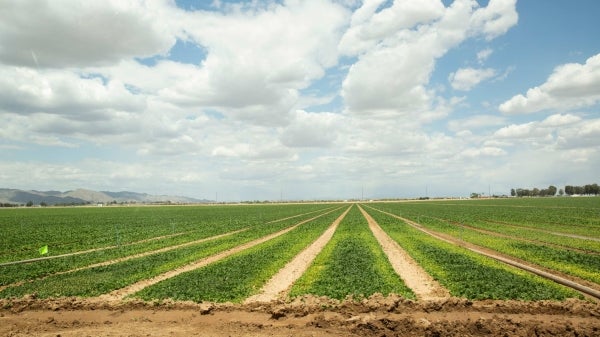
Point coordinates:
[(579, 287)]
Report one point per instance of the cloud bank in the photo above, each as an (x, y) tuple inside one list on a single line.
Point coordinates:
[(309, 99)]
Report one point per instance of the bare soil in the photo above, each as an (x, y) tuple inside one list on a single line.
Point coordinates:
[(91, 250), (587, 288), (307, 316), (138, 286), (278, 286), (434, 314), (494, 233), (415, 277), (575, 236)]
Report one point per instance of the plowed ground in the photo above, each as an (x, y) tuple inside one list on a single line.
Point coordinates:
[(432, 315), (309, 316)]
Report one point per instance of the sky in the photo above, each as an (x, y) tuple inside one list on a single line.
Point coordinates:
[(291, 99)]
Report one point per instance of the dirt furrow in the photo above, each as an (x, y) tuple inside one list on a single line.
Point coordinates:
[(278, 285), (295, 216), (91, 250), (125, 244), (417, 279), (583, 286), (574, 236), (126, 258), (123, 259), (152, 252), (119, 294), (375, 317), (517, 238)]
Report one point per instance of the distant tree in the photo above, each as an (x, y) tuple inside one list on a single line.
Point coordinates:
[(587, 189), (43, 204), (475, 195), (569, 190), (29, 203)]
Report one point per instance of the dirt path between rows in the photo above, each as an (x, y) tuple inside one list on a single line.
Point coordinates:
[(417, 279), (508, 236), (152, 252), (574, 236), (295, 216), (279, 284), (587, 288), (127, 244), (374, 317), (92, 250), (133, 288), (126, 258)]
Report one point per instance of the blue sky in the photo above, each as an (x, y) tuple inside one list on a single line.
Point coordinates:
[(299, 99)]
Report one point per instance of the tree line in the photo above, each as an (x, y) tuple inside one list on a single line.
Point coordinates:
[(589, 189), (586, 189)]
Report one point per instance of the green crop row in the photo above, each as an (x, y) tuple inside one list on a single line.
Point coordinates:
[(352, 263), (27, 271), (580, 264), (497, 218), (99, 280), (37, 269), (242, 275), (535, 234), (465, 273), (522, 212), (67, 230), (516, 233)]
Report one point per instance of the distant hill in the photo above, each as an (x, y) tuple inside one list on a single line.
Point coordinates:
[(83, 196)]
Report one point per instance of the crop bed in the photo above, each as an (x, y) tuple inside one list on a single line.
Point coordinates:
[(352, 264), (169, 257), (526, 238)]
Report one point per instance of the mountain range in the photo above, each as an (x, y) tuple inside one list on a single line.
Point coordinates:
[(83, 196)]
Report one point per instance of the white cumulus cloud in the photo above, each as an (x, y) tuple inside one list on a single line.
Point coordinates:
[(466, 78), (495, 19), (570, 86), (484, 54), (397, 48), (83, 33), (259, 59), (27, 90), (311, 129)]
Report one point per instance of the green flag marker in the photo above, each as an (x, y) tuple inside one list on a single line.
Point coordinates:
[(43, 250)]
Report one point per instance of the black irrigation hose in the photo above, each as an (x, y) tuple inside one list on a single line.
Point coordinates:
[(571, 284)]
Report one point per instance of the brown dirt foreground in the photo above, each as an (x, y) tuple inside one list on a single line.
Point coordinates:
[(307, 316)]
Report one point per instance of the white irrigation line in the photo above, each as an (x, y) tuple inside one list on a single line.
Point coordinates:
[(122, 245), (119, 294), (579, 287), (90, 250)]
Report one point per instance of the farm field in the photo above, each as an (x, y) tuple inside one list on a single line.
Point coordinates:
[(155, 261), (551, 235)]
